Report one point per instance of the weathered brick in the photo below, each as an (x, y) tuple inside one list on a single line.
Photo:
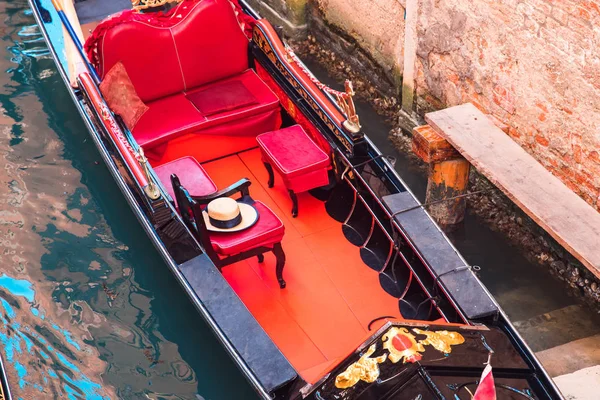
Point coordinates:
[(561, 16), (534, 64), (542, 140)]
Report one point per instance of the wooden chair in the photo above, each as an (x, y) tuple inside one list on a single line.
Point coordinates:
[(226, 248)]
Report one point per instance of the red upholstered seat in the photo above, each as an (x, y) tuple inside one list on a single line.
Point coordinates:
[(191, 174), (293, 153), (267, 231), (206, 50), (300, 162), (173, 116)]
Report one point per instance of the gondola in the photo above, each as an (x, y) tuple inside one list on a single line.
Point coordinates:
[(292, 234), (5, 393)]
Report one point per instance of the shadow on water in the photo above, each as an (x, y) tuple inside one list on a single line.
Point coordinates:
[(88, 308), (523, 289)]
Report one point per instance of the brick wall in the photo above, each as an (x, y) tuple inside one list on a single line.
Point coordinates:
[(376, 25), (534, 64)]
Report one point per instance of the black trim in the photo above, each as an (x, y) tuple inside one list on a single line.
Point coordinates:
[(226, 224)]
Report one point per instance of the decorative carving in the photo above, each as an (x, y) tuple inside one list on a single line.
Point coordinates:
[(365, 369), (440, 340), (346, 103), (402, 345), (144, 4)]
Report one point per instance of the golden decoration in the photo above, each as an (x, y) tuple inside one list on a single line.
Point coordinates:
[(346, 103), (144, 4), (440, 340), (150, 189), (402, 345), (365, 369)]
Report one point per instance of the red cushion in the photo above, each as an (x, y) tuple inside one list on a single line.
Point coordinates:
[(220, 98), (173, 116), (190, 173), (267, 231), (206, 45), (292, 152), (266, 99), (120, 95), (167, 117)]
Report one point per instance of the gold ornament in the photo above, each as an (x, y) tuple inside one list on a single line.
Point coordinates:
[(365, 369), (144, 4), (402, 345), (440, 340), (346, 103)]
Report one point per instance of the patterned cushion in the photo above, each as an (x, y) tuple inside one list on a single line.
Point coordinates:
[(120, 95)]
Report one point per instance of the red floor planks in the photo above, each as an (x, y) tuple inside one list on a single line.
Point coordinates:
[(312, 216), (331, 295)]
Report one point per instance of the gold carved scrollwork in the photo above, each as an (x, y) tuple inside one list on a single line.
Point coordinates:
[(441, 340), (346, 103), (144, 4), (365, 369), (402, 345)]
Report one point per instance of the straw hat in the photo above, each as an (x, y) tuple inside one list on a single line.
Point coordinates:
[(227, 215)]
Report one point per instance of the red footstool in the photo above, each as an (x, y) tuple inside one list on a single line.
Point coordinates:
[(300, 162)]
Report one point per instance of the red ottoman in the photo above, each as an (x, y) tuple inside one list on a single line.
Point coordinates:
[(300, 162)]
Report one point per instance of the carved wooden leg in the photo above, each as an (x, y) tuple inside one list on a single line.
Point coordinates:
[(280, 256), (261, 258), (271, 175), (294, 203)]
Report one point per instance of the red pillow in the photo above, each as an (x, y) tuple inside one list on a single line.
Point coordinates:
[(120, 95)]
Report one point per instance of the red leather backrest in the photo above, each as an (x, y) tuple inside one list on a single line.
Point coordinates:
[(206, 45), (213, 46), (148, 55)]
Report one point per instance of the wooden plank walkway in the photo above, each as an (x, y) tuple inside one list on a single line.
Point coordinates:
[(564, 215)]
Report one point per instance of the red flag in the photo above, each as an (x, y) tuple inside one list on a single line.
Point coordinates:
[(486, 389)]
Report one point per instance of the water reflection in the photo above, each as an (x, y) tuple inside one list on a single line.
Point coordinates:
[(88, 309)]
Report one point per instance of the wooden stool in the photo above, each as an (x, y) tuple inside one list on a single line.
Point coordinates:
[(298, 160)]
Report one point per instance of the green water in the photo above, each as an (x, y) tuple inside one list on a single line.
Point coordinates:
[(88, 309)]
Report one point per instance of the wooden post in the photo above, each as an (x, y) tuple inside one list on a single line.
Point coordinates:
[(448, 175)]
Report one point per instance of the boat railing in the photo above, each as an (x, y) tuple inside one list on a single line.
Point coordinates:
[(394, 227)]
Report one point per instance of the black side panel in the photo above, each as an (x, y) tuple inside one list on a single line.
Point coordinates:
[(251, 342), (463, 287), (406, 372)]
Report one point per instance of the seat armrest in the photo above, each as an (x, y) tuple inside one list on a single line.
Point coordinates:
[(241, 186)]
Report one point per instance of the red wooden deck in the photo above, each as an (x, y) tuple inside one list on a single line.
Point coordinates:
[(331, 295)]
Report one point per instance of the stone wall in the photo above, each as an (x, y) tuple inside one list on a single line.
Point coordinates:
[(534, 64)]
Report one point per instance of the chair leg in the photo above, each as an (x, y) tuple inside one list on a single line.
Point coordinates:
[(271, 174), (261, 258), (294, 203), (280, 256)]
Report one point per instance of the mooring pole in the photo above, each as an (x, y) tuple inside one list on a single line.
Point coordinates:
[(448, 175)]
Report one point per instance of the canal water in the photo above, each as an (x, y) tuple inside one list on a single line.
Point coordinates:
[(87, 307)]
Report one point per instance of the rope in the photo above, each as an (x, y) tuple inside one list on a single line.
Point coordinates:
[(438, 201), (313, 78)]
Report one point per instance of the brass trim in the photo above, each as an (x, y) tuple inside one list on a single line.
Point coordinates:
[(151, 189)]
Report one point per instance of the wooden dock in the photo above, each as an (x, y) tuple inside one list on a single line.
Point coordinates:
[(565, 216)]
